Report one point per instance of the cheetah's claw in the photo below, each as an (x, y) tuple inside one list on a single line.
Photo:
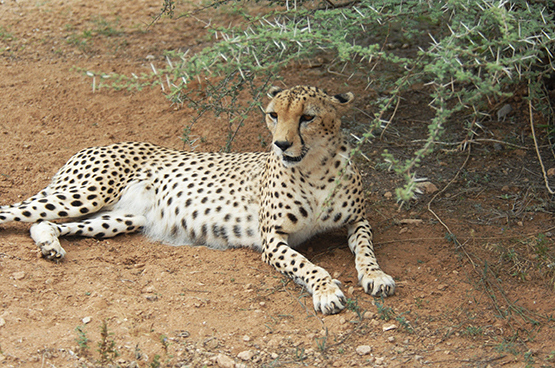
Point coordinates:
[(329, 299), (378, 283)]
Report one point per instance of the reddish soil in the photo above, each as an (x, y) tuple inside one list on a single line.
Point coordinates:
[(487, 303)]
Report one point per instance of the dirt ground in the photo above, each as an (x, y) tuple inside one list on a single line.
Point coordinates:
[(487, 303)]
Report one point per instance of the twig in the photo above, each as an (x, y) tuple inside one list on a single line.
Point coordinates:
[(391, 118), (459, 245), (478, 140), (536, 144)]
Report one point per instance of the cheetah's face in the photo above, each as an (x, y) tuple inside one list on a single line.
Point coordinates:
[(303, 121)]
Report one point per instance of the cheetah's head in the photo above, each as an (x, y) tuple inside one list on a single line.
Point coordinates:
[(304, 123)]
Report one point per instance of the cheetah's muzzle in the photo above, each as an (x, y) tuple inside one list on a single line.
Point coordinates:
[(290, 159)]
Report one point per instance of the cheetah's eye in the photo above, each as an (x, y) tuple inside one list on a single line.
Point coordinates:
[(273, 115), (306, 118)]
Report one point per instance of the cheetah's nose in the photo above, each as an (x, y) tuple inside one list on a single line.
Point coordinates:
[(283, 145)]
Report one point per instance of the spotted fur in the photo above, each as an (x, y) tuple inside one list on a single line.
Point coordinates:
[(267, 201)]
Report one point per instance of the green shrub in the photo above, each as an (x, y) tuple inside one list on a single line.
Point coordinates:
[(473, 51)]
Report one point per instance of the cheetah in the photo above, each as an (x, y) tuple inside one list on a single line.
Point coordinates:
[(269, 201)]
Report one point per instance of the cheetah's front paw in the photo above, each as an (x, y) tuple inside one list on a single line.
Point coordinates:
[(377, 283), (329, 298), (45, 236)]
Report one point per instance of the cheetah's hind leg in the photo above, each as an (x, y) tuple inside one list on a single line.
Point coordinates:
[(45, 234), (101, 225)]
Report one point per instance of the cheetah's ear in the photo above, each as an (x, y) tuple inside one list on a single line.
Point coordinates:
[(344, 98), (273, 91)]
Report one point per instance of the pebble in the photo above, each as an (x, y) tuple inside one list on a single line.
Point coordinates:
[(369, 315), (388, 327), (149, 289), (2, 322), (428, 187), (86, 320), (211, 343), (380, 360), (504, 111), (224, 361), (20, 275), (151, 298), (246, 338), (245, 355), (363, 349), (391, 339), (388, 195)]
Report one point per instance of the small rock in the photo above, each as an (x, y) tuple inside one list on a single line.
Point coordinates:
[(380, 360), (363, 349), (182, 334), (551, 172), (274, 356), (20, 275), (149, 289), (369, 315), (442, 286), (211, 343), (504, 111), (428, 187), (224, 361), (86, 320), (150, 57), (2, 322), (151, 297), (351, 290), (391, 339), (245, 355), (342, 320), (388, 195), (389, 327), (410, 221), (246, 338)]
